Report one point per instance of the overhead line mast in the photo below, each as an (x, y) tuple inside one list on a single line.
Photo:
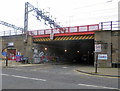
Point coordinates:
[(40, 14)]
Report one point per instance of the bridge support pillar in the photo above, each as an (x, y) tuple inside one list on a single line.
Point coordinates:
[(110, 51), (29, 49)]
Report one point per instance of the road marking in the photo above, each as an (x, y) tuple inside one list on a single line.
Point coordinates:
[(5, 74), (96, 86), (24, 77), (18, 69), (64, 67), (40, 68), (22, 70)]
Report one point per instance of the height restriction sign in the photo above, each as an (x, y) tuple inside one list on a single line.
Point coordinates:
[(97, 47)]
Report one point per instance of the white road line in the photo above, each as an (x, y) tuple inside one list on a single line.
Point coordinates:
[(64, 67), (5, 74), (25, 77), (97, 86)]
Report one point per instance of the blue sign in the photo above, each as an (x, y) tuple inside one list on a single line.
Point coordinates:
[(102, 56), (4, 54)]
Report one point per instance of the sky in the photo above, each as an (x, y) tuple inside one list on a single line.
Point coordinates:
[(67, 12)]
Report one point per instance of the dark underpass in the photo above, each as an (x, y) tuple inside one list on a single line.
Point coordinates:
[(73, 51)]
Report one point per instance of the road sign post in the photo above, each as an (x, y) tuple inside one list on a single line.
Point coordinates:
[(96, 63), (97, 49)]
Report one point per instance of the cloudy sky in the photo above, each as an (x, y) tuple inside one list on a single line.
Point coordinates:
[(67, 12)]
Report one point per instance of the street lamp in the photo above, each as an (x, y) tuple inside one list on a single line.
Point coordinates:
[(45, 49), (78, 51), (65, 50)]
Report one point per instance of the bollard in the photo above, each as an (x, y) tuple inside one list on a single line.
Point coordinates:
[(6, 61)]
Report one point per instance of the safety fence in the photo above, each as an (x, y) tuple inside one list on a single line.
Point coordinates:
[(110, 25), (11, 32)]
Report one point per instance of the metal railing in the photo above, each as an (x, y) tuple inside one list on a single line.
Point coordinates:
[(11, 32), (110, 25), (75, 29)]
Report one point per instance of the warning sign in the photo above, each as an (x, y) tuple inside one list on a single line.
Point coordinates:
[(97, 47), (51, 36)]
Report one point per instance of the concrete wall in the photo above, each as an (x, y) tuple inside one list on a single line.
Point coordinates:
[(104, 38), (110, 42), (115, 46), (24, 48)]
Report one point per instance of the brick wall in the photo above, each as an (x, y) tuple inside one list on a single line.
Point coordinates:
[(24, 48)]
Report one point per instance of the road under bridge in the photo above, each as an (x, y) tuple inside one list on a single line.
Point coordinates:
[(73, 45), (73, 51)]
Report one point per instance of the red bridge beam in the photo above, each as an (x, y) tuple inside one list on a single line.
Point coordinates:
[(65, 31), (66, 34)]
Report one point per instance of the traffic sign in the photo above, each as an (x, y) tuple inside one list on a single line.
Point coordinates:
[(97, 47)]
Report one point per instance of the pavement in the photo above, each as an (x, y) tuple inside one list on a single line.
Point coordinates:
[(109, 72), (88, 70)]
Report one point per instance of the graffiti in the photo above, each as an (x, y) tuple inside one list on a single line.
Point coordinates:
[(11, 53), (4, 54), (41, 57), (41, 54)]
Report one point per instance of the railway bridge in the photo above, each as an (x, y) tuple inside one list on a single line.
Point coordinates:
[(71, 44)]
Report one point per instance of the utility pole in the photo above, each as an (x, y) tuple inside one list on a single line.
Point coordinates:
[(26, 20)]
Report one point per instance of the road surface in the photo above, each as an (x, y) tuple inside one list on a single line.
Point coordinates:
[(53, 77)]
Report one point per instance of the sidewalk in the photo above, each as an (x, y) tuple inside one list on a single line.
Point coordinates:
[(110, 72), (12, 63)]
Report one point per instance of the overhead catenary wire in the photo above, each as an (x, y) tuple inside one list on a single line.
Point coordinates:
[(91, 5), (89, 9), (94, 18), (95, 11), (89, 13), (91, 20)]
